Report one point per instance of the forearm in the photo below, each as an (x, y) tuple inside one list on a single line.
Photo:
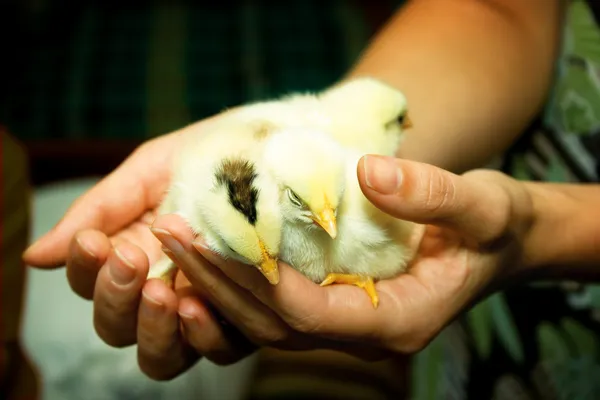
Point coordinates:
[(564, 240), (475, 73)]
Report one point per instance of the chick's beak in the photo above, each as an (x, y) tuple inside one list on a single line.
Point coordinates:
[(268, 267), (406, 122), (326, 220)]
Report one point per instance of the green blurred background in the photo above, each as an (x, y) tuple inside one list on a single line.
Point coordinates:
[(133, 70), (86, 81)]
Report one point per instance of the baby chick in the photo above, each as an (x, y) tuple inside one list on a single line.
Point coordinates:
[(364, 113), (277, 179), (358, 243), (218, 188), (367, 115), (313, 158)]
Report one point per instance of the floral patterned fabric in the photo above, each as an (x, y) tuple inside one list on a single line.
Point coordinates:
[(537, 341)]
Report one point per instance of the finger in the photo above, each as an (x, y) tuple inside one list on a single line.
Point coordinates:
[(218, 341), (88, 251), (339, 312), (162, 352), (117, 294), (116, 201), (139, 234), (237, 305), (333, 312), (426, 194)]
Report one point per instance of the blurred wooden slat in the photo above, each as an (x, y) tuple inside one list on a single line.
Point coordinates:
[(18, 378)]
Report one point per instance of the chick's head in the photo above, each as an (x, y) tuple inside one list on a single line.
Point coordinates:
[(367, 104), (242, 212), (309, 167)]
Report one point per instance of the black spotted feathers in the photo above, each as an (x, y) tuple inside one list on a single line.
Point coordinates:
[(238, 176)]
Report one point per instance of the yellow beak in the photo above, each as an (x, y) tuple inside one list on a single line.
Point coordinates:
[(407, 123), (268, 266), (326, 220)]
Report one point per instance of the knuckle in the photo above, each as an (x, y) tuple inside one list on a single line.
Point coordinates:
[(150, 342), (269, 336), (110, 307), (440, 193), (119, 339), (306, 324), (115, 328), (509, 212)]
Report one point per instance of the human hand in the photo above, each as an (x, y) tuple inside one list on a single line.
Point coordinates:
[(475, 225), (105, 241)]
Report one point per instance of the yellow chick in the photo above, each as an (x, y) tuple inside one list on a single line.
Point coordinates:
[(367, 115), (218, 188), (277, 179), (331, 232)]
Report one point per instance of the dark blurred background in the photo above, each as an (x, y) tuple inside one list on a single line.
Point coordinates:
[(86, 81), (82, 83)]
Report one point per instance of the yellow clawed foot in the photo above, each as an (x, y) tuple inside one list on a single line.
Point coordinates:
[(357, 280)]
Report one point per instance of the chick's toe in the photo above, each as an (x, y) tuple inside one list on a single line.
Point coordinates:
[(363, 282)]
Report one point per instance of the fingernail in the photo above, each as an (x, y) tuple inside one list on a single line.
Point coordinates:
[(382, 174), (168, 240), (190, 323), (209, 254), (121, 273), (188, 315), (200, 244), (85, 250), (152, 307), (185, 316)]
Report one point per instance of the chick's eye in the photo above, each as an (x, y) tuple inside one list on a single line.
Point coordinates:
[(404, 121), (294, 198), (401, 119), (227, 246)]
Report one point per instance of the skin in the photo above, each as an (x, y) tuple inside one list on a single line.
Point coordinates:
[(490, 73), (105, 233), (462, 257)]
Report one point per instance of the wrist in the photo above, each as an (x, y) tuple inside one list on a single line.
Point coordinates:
[(563, 241)]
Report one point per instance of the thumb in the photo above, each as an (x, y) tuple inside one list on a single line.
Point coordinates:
[(421, 193), (115, 202)]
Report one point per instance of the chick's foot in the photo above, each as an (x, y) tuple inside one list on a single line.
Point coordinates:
[(363, 282)]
